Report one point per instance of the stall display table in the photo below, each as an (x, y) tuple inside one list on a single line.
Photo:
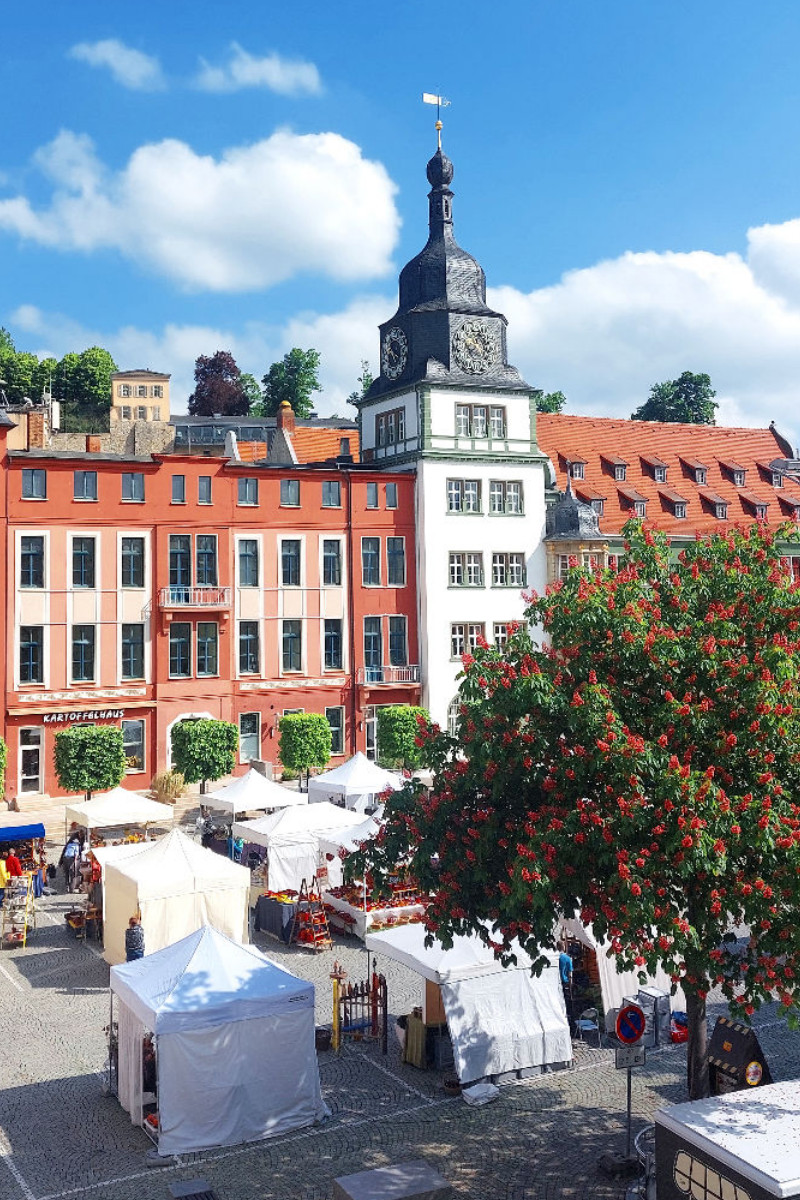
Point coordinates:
[(363, 921), (275, 917)]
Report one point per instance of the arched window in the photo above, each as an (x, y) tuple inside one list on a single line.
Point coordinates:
[(453, 715)]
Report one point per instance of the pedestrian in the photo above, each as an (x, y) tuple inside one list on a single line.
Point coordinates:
[(565, 971), (70, 859), (134, 939), (13, 865), (3, 876)]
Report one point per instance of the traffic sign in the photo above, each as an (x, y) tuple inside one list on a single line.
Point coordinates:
[(630, 1024), (629, 1056)]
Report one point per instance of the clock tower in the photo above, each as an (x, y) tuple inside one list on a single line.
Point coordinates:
[(447, 405)]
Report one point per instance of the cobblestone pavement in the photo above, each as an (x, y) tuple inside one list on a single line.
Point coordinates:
[(62, 1137)]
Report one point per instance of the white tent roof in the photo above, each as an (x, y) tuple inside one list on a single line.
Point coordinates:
[(106, 855), (350, 840), (117, 807), (254, 791), (297, 825), (355, 778), (467, 959), (204, 980), (174, 865)]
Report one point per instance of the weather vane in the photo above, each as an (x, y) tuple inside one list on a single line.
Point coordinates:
[(440, 102)]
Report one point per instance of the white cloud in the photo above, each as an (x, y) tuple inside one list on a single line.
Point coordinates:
[(133, 69), (257, 215), (287, 76)]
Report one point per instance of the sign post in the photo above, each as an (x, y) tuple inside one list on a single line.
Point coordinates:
[(630, 1029)]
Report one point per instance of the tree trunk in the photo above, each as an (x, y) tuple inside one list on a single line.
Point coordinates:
[(202, 787), (697, 1075)]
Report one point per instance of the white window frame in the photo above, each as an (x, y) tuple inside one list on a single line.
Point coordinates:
[(340, 709), (257, 735), (292, 587), (39, 731), (136, 721)]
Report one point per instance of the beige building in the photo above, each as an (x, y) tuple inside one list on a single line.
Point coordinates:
[(139, 396)]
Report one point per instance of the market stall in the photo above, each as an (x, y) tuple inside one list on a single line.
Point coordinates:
[(253, 792), (500, 1020), (291, 839), (177, 887), (214, 1045), (117, 809), (27, 842), (357, 784)]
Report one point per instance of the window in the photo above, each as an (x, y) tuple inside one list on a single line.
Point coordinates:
[(34, 484), (453, 714), (204, 489), (249, 736), (331, 563), (505, 497), (132, 565), (479, 427), (248, 562), (290, 493), (466, 570), (247, 491), (333, 645), (331, 493), (178, 489), (141, 389), (463, 638), (391, 495), (577, 470), (141, 412), (720, 511), (133, 486), (249, 654), (598, 506), (761, 512), (500, 631), (84, 485), (124, 389), (640, 508), (30, 753), (344, 447), (372, 495), (292, 646), (371, 561), (156, 413), (180, 560), (207, 648), (777, 479), (398, 642), (133, 745), (206, 556), (31, 564), (700, 475), (464, 495), (133, 651), (180, 650), (335, 718), (290, 562), (680, 510), (474, 420), (462, 420), (373, 649), (83, 562), (125, 412), (82, 653), (396, 561), (158, 391), (508, 570), (620, 472), (31, 654), (738, 478), (390, 427), (497, 422)]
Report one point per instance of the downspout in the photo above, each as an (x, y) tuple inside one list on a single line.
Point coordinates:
[(351, 620)]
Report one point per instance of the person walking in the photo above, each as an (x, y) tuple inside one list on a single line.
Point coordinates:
[(13, 865), (70, 858), (4, 876), (134, 939)]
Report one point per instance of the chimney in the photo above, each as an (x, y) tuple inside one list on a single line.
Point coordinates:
[(94, 443), (285, 418), (38, 430)]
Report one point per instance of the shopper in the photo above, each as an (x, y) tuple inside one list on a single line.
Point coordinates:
[(3, 876), (13, 865), (134, 940), (70, 860)]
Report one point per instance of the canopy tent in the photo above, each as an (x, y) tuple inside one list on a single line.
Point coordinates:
[(358, 782), (234, 1038), (350, 840), (615, 985), (20, 833), (177, 887), (500, 1019), (115, 808), (292, 838), (253, 792)]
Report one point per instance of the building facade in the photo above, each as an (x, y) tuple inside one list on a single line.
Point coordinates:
[(139, 396)]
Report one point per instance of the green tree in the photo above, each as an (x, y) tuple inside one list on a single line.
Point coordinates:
[(44, 377), (640, 773), (305, 742), (295, 378), (19, 372), (82, 382), (3, 761), (218, 388), (251, 388), (203, 750), (89, 758), (6, 342), (398, 735), (550, 402), (688, 399), (365, 381), (63, 384)]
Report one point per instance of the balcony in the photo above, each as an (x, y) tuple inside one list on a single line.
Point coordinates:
[(386, 674), (185, 598)]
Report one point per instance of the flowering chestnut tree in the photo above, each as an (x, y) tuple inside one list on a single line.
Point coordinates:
[(638, 767)]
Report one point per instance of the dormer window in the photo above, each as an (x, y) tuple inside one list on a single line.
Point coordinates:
[(680, 510), (640, 508), (660, 474), (777, 479), (700, 474), (761, 512), (739, 478), (721, 512), (620, 471), (598, 505), (577, 470)]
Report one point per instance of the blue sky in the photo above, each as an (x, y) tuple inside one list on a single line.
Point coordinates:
[(180, 178)]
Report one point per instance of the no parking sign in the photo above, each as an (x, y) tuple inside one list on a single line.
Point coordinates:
[(630, 1024)]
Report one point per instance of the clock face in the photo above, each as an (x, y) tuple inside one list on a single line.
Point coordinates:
[(394, 352), (474, 347)]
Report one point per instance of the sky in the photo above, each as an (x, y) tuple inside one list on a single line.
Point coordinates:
[(181, 178)]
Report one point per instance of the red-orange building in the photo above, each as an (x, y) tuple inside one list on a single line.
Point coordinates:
[(145, 589)]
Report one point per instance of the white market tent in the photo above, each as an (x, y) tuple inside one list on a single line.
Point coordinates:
[(291, 838), (615, 985), (115, 808), (357, 782), (500, 1019), (253, 792), (350, 840), (177, 887), (234, 1039)]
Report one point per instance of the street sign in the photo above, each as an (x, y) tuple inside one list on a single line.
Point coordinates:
[(629, 1056), (630, 1024)]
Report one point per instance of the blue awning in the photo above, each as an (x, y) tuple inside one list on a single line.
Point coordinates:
[(20, 833)]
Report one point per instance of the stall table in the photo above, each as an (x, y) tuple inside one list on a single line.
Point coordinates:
[(275, 917), (363, 921)]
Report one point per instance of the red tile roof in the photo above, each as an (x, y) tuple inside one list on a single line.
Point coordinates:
[(601, 442), (316, 445)]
